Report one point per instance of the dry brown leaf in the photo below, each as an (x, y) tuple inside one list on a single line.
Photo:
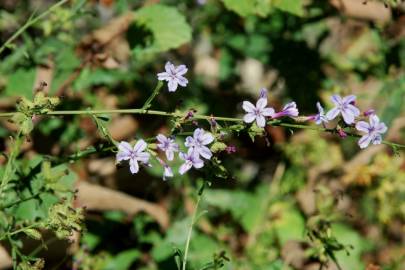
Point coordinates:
[(96, 197), (5, 259), (373, 11)]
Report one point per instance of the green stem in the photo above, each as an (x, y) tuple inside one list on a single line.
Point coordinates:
[(29, 23), (190, 230), (152, 97), (198, 116)]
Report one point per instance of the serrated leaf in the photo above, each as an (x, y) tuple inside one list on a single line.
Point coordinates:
[(168, 26)]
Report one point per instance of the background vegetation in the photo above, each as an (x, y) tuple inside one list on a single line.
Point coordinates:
[(290, 200)]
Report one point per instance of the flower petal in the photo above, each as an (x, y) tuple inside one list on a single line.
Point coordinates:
[(169, 67), (181, 69), (261, 103), (248, 107), (143, 157), (172, 84), (320, 108), (377, 139), (353, 109), (363, 126), (189, 141), (133, 166), (349, 99), (364, 141), (205, 152), (374, 120), (125, 147), (163, 76), (185, 167), (207, 138), (198, 163), (381, 128), (161, 138), (260, 121), (182, 81), (140, 146), (336, 99), (169, 154), (268, 112), (348, 116), (249, 118), (332, 113)]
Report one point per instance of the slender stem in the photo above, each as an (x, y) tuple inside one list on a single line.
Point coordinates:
[(190, 230), (199, 116), (154, 94), (30, 22)]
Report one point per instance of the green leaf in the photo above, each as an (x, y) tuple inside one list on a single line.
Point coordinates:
[(249, 7), (123, 260), (291, 6), (20, 83), (168, 26)]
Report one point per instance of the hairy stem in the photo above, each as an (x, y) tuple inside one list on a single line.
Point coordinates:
[(29, 23), (152, 97), (200, 117)]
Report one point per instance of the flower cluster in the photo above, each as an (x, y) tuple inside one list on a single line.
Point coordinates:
[(343, 106), (196, 152)]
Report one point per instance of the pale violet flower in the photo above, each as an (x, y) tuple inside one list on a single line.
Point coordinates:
[(373, 131), (198, 143), (263, 93), (191, 159), (167, 145), (174, 76), (133, 154), (320, 117), (258, 112), (290, 110), (345, 107), (167, 171)]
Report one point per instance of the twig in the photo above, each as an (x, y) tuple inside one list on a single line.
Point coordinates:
[(31, 21)]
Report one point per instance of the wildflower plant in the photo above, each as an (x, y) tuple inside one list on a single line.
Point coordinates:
[(194, 145)]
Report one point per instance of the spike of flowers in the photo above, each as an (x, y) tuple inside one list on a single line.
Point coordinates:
[(174, 76)]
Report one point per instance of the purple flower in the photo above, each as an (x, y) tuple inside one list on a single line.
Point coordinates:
[(369, 112), (174, 76), (263, 93), (373, 131), (198, 143), (258, 112), (167, 171), (167, 145), (320, 117), (345, 107), (230, 149), (290, 109), (133, 154), (191, 159)]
